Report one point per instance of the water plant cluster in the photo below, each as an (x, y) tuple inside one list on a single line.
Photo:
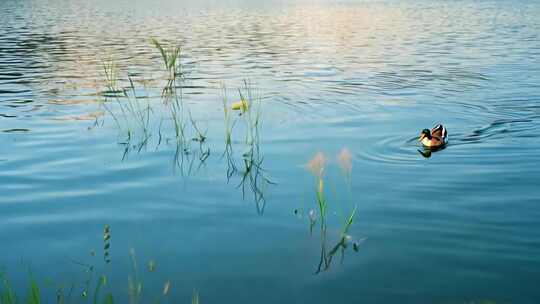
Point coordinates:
[(242, 123), (319, 215), (94, 287), (251, 170), (133, 111), (139, 117), (133, 108)]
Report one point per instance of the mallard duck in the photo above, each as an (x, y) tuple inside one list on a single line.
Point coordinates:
[(436, 138)]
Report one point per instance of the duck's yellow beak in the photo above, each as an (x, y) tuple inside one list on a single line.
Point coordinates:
[(422, 135)]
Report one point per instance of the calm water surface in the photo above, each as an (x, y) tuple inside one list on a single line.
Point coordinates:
[(460, 226)]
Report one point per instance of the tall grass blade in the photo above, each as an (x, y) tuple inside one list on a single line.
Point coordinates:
[(7, 295), (349, 221), (108, 299), (102, 281), (33, 293), (195, 297)]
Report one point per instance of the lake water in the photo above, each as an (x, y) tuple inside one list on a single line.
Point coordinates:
[(360, 77)]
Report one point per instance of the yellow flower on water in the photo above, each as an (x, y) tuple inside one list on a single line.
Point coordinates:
[(240, 105)]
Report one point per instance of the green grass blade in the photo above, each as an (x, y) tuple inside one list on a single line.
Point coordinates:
[(349, 221), (7, 296), (195, 297), (34, 294), (161, 50), (108, 299), (101, 282)]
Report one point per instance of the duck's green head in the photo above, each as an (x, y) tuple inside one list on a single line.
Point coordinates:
[(425, 133)]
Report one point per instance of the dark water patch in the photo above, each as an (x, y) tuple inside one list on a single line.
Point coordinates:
[(27, 101), (13, 91), (499, 129), (10, 76), (112, 93), (16, 130)]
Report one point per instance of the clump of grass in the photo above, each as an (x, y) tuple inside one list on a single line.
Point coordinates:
[(253, 175), (7, 295), (179, 123), (171, 61), (200, 137), (229, 125), (183, 130), (343, 242), (135, 283), (180, 113), (34, 296), (93, 290), (134, 116), (317, 167), (251, 111), (110, 70), (133, 112)]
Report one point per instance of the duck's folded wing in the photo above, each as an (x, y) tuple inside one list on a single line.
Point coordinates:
[(444, 133), (437, 131)]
